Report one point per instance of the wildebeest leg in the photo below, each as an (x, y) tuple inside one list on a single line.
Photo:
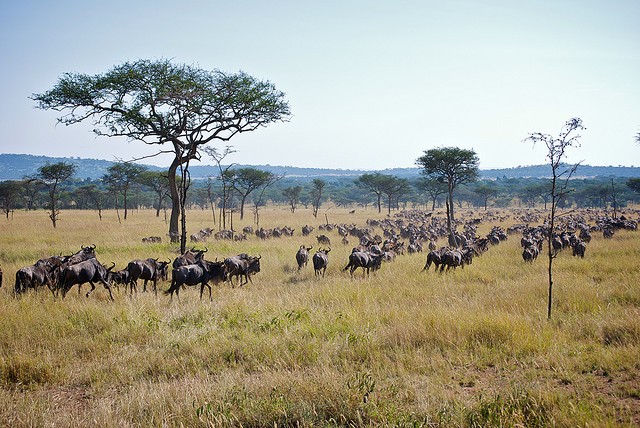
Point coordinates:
[(93, 287), (108, 287), (202, 290)]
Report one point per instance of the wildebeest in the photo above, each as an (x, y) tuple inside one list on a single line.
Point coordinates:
[(148, 270), (302, 256), (321, 261), (85, 253), (365, 260), (241, 266), (530, 253), (202, 235), (190, 257), (434, 257), (33, 276), (87, 271), (579, 248), (323, 239), (306, 230), (201, 273)]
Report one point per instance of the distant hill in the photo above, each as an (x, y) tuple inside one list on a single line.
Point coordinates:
[(17, 166)]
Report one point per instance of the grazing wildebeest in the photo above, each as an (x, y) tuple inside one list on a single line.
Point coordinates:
[(199, 273), (306, 230), (241, 266), (33, 276), (190, 257), (365, 260), (87, 271), (435, 257), (302, 256), (321, 261), (148, 270)]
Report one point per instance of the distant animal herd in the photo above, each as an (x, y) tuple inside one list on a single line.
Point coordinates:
[(408, 232)]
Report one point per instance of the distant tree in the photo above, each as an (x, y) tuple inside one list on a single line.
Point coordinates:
[(92, 195), (453, 166), (51, 176), (246, 180), (120, 177), (374, 183), (292, 194), (394, 187), (10, 191), (30, 188), (258, 200), (225, 175), (158, 182), (432, 187), (316, 194), (486, 192), (161, 103), (634, 184), (560, 175)]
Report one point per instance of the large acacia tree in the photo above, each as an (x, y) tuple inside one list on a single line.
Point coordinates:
[(179, 108), (452, 166)]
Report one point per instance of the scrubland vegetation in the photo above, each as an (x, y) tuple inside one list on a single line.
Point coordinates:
[(471, 347)]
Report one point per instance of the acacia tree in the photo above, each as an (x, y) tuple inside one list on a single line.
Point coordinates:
[(164, 104), (51, 176), (485, 192), (374, 183), (246, 180), (560, 175), (292, 194), (453, 166), (432, 187), (316, 194), (158, 182), (10, 191), (394, 187), (120, 177)]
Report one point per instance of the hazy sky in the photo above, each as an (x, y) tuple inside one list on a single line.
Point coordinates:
[(371, 84)]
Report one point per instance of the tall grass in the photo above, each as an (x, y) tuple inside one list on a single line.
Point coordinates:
[(470, 347)]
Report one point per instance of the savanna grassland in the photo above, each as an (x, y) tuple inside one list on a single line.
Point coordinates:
[(471, 347)]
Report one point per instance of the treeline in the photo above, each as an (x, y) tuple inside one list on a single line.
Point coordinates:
[(134, 188)]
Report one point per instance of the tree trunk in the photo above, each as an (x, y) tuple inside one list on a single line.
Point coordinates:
[(175, 201)]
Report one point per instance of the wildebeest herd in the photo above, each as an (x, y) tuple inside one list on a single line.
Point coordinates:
[(421, 230)]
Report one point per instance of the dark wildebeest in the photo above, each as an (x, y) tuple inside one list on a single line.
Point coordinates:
[(453, 259), (321, 261), (190, 257), (365, 260), (152, 240), (199, 273), (202, 235), (241, 266), (323, 239), (306, 230), (530, 253), (435, 257), (302, 256), (87, 271), (33, 276), (85, 253), (148, 270), (579, 248)]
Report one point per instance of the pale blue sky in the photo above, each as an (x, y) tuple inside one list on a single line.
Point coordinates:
[(371, 84)]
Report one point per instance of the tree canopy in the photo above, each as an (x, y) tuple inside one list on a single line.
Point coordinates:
[(450, 165), (166, 104)]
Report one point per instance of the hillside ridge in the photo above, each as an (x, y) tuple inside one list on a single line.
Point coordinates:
[(18, 166)]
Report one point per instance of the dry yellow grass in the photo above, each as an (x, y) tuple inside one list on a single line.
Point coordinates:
[(471, 347)]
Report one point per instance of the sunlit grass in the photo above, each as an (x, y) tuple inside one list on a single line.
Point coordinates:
[(470, 347)]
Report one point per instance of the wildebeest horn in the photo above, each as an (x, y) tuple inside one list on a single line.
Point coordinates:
[(93, 246), (205, 250), (112, 266), (259, 257)]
